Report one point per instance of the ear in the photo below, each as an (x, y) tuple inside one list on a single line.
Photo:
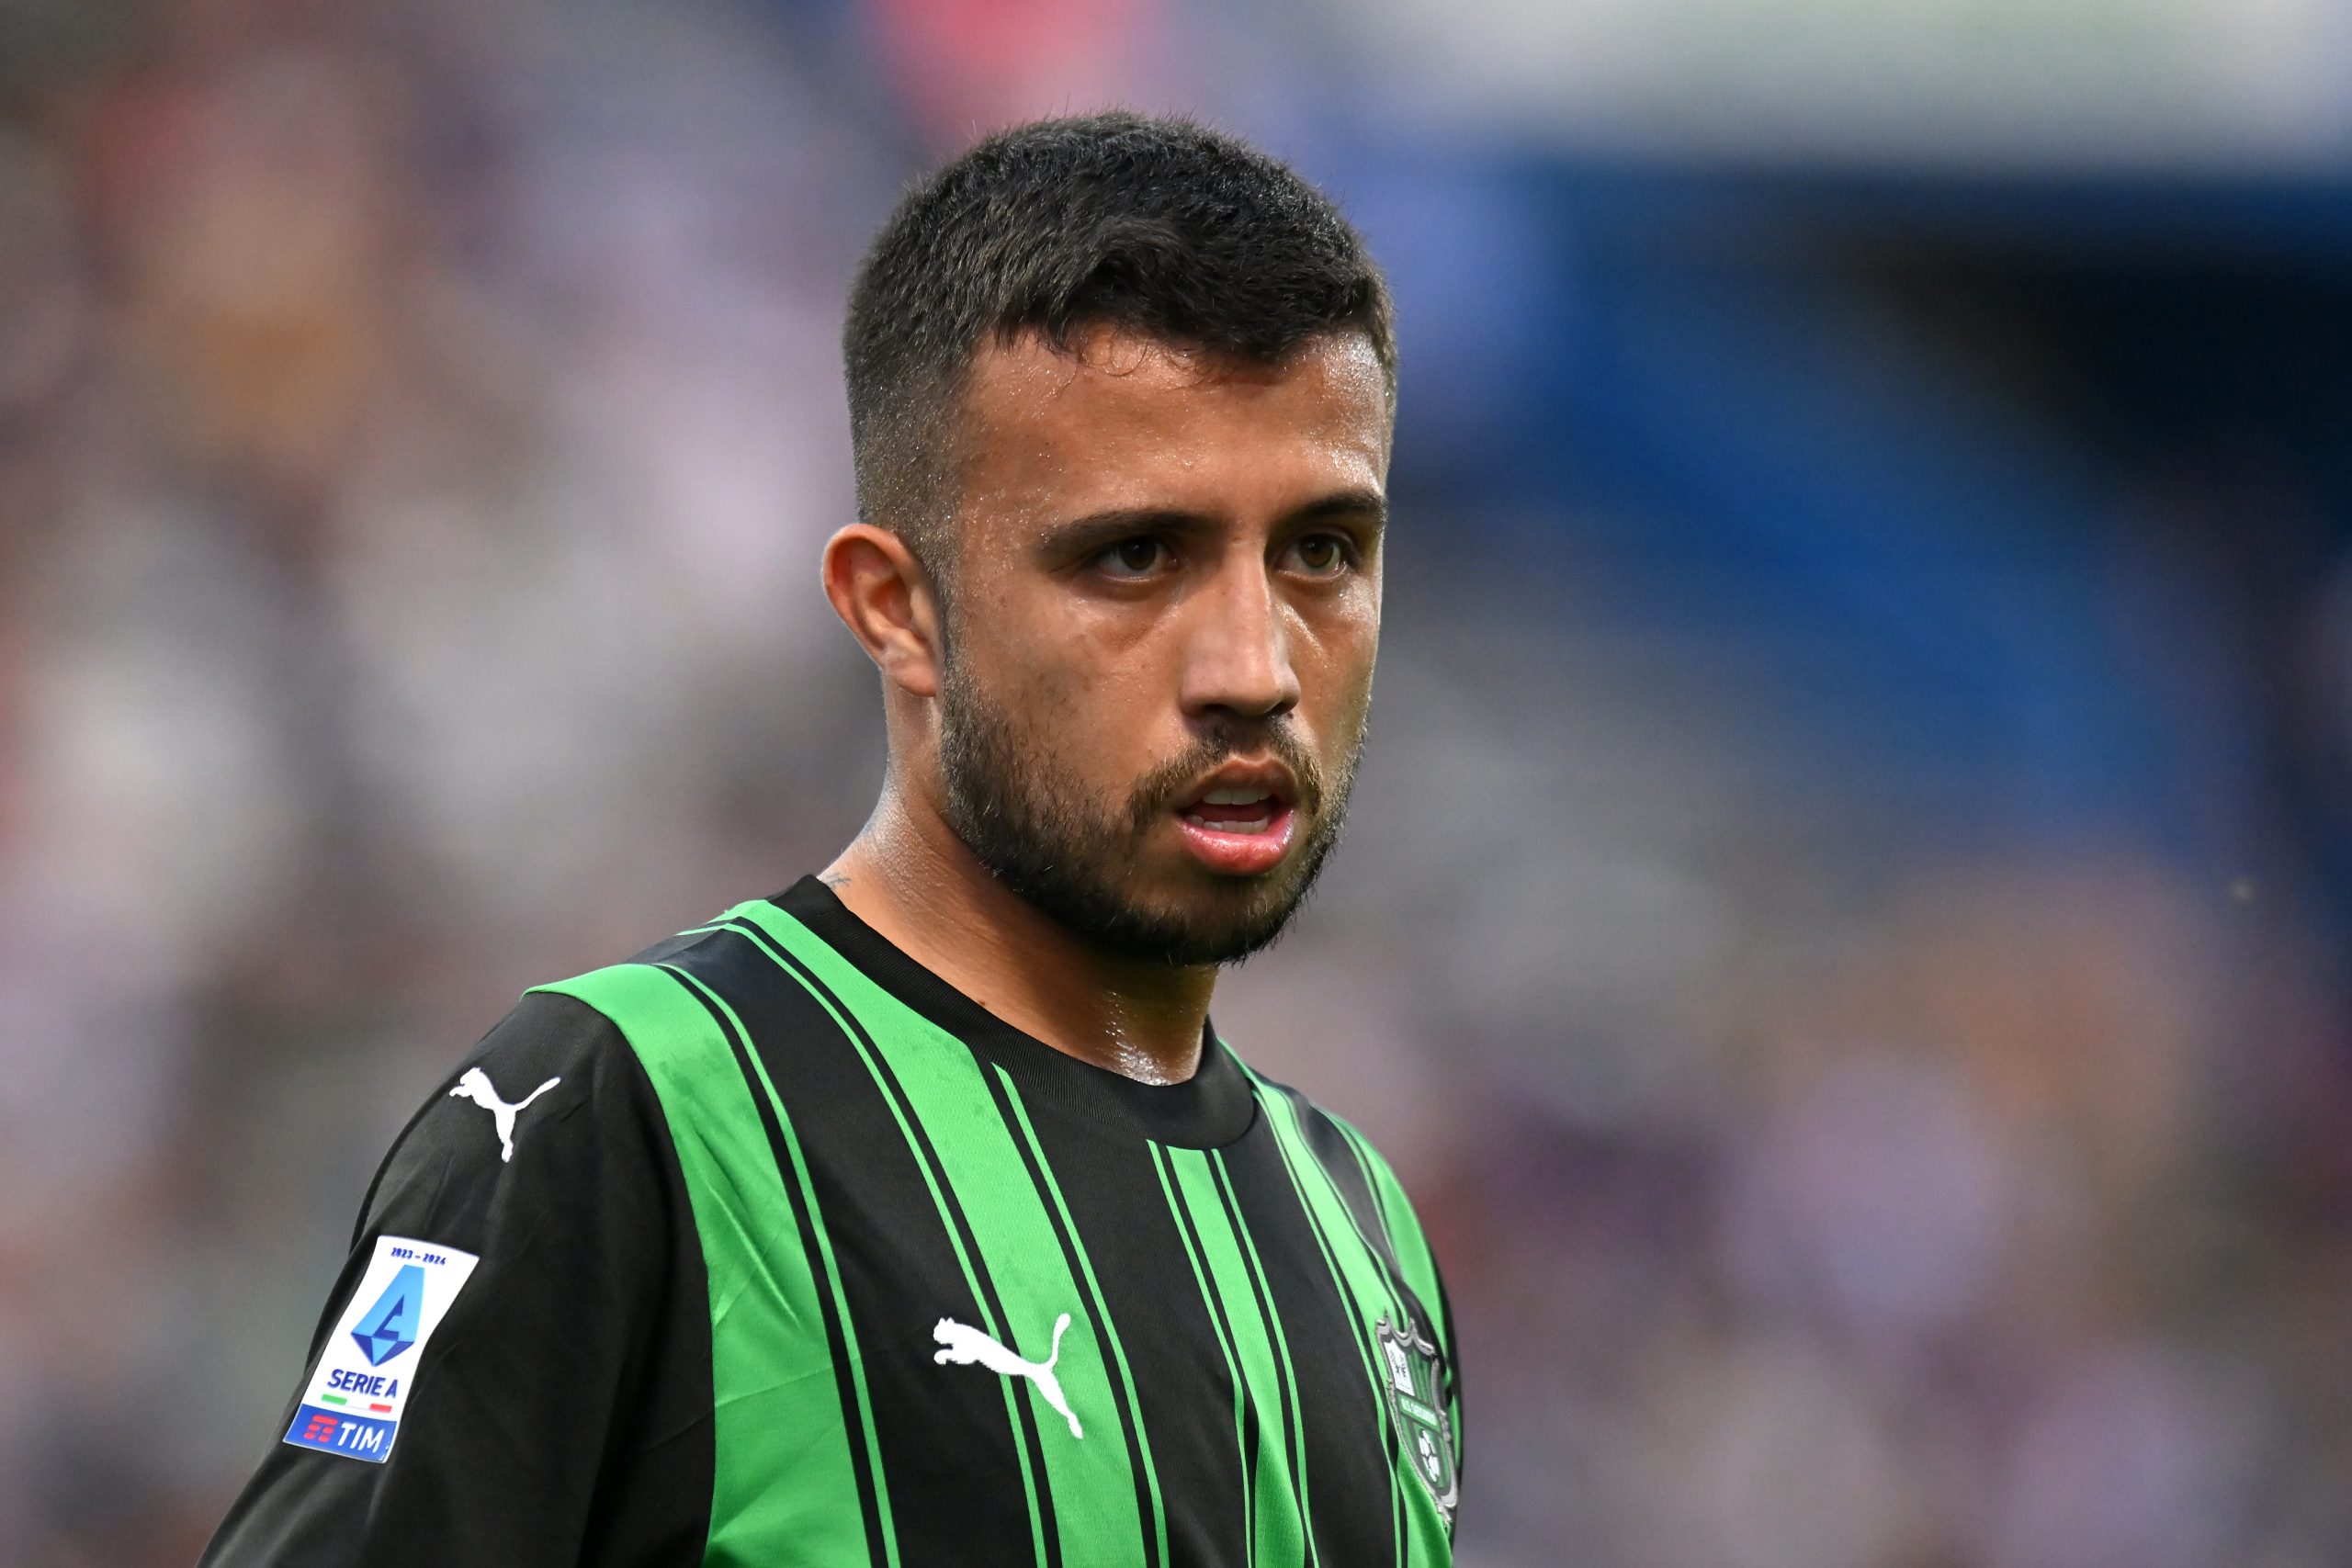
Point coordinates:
[(885, 598)]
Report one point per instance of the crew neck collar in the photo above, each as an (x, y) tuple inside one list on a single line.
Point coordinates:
[(1212, 1107)]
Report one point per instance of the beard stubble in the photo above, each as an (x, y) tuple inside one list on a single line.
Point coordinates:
[(1043, 838)]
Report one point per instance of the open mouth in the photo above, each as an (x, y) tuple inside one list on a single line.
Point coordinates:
[(1235, 810), (1242, 822)]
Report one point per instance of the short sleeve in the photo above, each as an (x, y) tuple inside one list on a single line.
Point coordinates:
[(513, 1367)]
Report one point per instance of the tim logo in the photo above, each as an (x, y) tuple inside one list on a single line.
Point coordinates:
[(330, 1431)]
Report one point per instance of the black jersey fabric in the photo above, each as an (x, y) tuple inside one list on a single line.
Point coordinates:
[(802, 1256)]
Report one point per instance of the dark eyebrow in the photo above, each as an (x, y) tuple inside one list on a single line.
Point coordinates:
[(1369, 506), (1099, 530)]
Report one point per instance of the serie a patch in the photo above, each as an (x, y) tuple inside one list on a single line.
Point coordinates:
[(352, 1405)]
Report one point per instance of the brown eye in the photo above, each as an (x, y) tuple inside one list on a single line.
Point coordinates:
[(1321, 554), (1133, 557)]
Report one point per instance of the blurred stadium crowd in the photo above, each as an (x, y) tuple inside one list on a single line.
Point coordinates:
[(1841, 931)]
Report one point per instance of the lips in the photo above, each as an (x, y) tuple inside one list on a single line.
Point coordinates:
[(1240, 821), (1235, 810)]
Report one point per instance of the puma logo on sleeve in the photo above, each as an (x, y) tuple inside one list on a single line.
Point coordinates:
[(476, 1086)]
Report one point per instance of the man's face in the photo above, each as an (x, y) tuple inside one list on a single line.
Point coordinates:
[(1164, 610)]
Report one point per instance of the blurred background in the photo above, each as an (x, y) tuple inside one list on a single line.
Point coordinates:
[(1843, 932)]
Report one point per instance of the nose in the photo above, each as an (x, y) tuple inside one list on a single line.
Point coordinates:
[(1237, 659)]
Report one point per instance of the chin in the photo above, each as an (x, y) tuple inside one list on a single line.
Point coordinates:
[(1223, 922)]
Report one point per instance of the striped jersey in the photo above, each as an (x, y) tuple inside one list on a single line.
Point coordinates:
[(770, 1248)]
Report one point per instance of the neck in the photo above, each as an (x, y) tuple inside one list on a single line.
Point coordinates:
[(909, 877)]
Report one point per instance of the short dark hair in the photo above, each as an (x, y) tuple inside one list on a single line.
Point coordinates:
[(1157, 226)]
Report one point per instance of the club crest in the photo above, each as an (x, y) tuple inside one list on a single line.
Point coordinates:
[(1417, 1400)]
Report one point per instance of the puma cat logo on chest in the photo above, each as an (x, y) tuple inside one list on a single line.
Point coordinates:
[(964, 1346)]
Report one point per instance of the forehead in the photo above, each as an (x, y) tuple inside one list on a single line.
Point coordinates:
[(1122, 419)]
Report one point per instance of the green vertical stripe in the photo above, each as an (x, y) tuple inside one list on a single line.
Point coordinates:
[(1274, 1315), (1382, 1251), (830, 1274), (1185, 1225), (1400, 1225), (1278, 1530), (1093, 1486), (1364, 1281), (989, 1322), (1360, 1155), (1102, 1307), (776, 1406), (1405, 1235), (1356, 1276)]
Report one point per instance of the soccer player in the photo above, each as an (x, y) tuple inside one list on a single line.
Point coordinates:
[(916, 1215)]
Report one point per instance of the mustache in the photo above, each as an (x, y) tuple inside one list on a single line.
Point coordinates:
[(1218, 742)]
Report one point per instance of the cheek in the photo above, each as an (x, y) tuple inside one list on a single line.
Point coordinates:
[(1340, 647), (1084, 713)]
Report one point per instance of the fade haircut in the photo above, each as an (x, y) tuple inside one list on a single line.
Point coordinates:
[(1160, 226)]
